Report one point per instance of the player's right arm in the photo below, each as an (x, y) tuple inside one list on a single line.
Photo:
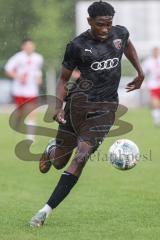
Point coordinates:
[(61, 92), (69, 63), (131, 53), (10, 67), (11, 74)]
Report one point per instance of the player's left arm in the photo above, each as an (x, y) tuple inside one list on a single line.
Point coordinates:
[(38, 77), (39, 71), (131, 54)]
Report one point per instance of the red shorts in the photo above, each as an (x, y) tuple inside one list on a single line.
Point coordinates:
[(155, 93), (20, 100)]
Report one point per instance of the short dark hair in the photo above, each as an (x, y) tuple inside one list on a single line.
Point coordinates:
[(26, 40), (100, 9)]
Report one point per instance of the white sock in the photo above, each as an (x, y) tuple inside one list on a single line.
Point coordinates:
[(46, 209), (30, 133), (30, 137), (156, 116)]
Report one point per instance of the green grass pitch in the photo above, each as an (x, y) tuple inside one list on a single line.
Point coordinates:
[(105, 204)]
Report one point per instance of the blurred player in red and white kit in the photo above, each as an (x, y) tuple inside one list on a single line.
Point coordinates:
[(151, 67), (25, 68)]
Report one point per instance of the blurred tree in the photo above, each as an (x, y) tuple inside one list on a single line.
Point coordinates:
[(57, 27), (17, 18)]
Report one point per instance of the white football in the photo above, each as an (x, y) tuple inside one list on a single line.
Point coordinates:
[(124, 154)]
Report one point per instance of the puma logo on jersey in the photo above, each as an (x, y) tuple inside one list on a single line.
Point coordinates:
[(88, 50)]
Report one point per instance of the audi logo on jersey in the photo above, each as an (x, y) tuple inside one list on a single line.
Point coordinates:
[(106, 64)]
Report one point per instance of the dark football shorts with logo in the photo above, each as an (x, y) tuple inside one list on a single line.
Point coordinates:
[(85, 121)]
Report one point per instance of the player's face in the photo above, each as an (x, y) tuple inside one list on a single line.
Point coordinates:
[(28, 47), (100, 26)]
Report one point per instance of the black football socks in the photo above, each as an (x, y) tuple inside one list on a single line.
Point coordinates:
[(64, 186)]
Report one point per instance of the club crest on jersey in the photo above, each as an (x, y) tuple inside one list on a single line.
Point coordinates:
[(117, 43)]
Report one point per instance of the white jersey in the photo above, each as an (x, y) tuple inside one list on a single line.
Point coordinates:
[(151, 67), (28, 66)]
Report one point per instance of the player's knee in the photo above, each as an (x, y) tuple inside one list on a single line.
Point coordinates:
[(58, 165), (80, 159)]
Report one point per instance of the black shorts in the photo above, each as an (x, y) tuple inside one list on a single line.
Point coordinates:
[(86, 121)]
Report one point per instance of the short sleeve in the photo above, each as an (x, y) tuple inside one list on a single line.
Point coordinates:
[(70, 60), (11, 64), (123, 34)]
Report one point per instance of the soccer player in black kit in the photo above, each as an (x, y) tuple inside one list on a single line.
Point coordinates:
[(91, 102)]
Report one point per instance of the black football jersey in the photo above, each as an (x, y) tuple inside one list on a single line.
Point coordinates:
[(99, 63)]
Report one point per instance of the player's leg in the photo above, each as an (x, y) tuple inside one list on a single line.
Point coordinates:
[(29, 106), (59, 150), (25, 105), (67, 181), (60, 159), (57, 156), (83, 152), (18, 101), (70, 177)]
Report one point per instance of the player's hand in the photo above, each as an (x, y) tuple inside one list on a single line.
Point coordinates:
[(22, 79), (59, 117), (135, 84)]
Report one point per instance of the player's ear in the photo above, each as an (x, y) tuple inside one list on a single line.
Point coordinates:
[(90, 20)]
